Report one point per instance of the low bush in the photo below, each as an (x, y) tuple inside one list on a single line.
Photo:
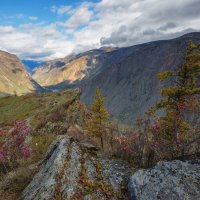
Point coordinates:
[(13, 146)]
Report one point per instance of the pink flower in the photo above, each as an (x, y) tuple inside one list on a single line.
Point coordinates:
[(25, 151), (18, 140), (182, 106), (25, 130), (20, 123), (177, 143), (133, 136), (154, 144)]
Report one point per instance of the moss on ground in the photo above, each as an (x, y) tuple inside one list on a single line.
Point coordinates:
[(34, 106)]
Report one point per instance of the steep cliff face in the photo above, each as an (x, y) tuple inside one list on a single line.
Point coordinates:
[(13, 77), (126, 76)]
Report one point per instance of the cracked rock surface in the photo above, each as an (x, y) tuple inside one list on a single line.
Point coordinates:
[(72, 171)]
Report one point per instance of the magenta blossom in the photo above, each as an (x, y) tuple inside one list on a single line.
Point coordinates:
[(15, 143), (154, 144), (25, 151)]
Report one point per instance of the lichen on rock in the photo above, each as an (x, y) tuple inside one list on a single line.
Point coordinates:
[(71, 171), (173, 180)]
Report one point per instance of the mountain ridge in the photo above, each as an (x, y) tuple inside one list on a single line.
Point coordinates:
[(127, 76)]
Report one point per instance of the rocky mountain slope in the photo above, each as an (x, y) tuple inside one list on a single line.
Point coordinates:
[(130, 83), (126, 76), (71, 69), (13, 77)]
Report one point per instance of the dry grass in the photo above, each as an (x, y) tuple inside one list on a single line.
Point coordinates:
[(39, 146), (14, 183)]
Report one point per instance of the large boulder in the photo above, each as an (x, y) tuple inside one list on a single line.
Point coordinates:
[(174, 180), (71, 170)]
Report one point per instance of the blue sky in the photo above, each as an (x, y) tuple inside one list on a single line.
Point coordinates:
[(49, 29), (15, 12)]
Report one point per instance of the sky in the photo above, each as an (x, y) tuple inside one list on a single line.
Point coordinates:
[(49, 29)]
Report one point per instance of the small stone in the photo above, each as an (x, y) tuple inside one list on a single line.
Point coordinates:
[(89, 146)]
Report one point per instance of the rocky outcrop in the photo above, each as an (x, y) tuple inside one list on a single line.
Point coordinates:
[(13, 77), (174, 180), (75, 171)]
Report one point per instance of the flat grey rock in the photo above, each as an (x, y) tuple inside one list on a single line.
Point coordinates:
[(174, 180)]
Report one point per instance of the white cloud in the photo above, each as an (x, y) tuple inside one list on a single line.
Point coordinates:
[(54, 9), (147, 26), (33, 18), (17, 16), (80, 16), (6, 29), (108, 22), (61, 10), (36, 41)]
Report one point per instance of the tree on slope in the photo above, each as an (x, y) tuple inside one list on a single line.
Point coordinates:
[(99, 117), (172, 131)]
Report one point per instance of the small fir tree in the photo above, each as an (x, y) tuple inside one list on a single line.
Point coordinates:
[(99, 117)]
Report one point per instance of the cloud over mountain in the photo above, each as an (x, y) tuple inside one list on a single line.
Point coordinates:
[(89, 25)]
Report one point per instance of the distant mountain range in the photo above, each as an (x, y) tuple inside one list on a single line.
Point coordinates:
[(71, 70), (126, 76)]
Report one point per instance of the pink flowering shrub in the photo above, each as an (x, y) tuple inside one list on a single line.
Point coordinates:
[(130, 146), (13, 146), (125, 143), (168, 136)]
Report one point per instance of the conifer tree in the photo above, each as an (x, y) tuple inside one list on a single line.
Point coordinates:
[(176, 99), (186, 80), (99, 116)]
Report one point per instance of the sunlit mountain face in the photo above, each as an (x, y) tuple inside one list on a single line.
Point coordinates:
[(14, 78)]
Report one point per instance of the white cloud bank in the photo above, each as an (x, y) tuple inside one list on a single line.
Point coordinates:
[(107, 23)]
